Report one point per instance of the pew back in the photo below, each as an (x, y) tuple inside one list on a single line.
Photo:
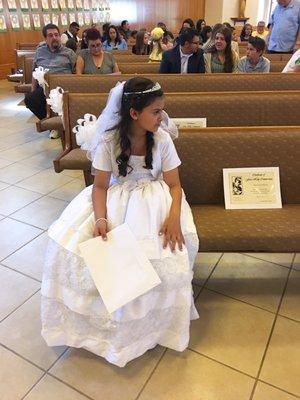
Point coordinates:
[(139, 68), (228, 109), (216, 148), (26, 46), (126, 58), (20, 54), (178, 82)]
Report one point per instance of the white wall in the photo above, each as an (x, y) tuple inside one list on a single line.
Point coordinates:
[(213, 11), (223, 10)]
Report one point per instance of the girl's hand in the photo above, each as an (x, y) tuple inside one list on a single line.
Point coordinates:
[(172, 231), (100, 229)]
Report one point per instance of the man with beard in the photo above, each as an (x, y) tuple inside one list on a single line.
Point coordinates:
[(58, 59), (186, 57)]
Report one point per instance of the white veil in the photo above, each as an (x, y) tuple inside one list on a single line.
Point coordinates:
[(110, 117)]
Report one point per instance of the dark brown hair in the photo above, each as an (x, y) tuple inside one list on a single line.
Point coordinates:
[(137, 101), (227, 33)]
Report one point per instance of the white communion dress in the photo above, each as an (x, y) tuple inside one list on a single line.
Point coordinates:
[(73, 313)]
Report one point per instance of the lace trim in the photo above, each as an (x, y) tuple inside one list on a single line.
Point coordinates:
[(118, 342)]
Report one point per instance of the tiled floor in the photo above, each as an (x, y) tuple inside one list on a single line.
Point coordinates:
[(246, 344)]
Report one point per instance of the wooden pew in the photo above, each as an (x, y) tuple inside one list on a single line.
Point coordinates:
[(19, 54), (226, 109), (26, 46), (170, 83), (178, 82), (277, 66), (204, 153), (25, 86), (139, 68), (127, 58)]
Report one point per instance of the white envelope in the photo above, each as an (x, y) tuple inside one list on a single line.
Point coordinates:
[(120, 269)]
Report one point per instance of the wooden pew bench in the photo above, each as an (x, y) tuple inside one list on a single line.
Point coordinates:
[(178, 82), (230, 109), (170, 83), (25, 86), (205, 153)]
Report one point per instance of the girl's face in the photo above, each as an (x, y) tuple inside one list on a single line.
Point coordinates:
[(95, 47), (248, 30), (220, 42), (203, 23), (208, 35), (186, 25), (112, 34), (146, 38), (149, 119)]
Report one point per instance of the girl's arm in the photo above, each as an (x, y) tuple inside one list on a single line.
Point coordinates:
[(171, 227), (116, 68), (79, 65), (101, 184)]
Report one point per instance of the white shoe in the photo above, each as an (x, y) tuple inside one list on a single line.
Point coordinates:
[(54, 134)]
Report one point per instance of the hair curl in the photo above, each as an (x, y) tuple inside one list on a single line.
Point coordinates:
[(137, 101)]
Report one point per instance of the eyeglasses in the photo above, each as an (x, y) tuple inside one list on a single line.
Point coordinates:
[(95, 46), (51, 35)]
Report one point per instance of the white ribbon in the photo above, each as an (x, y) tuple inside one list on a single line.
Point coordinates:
[(55, 100)]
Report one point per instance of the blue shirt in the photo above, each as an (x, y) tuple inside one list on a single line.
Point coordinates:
[(60, 61), (285, 23), (120, 46), (263, 65)]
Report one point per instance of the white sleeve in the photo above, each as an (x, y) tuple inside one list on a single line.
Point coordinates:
[(169, 156), (63, 38), (102, 158), (291, 63)]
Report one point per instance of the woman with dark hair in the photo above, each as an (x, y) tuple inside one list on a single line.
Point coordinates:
[(186, 24), (211, 41), (141, 46), (114, 41), (137, 184), (84, 43), (105, 29), (221, 57), (94, 60), (246, 33), (206, 33), (200, 25)]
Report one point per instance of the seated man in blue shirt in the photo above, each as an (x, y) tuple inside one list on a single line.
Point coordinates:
[(57, 58), (284, 34), (254, 60), (186, 57)]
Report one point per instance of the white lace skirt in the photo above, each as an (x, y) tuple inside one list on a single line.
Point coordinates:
[(73, 313)]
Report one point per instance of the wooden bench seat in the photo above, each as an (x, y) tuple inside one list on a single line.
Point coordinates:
[(205, 153)]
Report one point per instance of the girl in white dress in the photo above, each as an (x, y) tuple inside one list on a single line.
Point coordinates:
[(137, 182)]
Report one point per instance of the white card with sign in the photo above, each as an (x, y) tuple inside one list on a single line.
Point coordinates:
[(252, 188)]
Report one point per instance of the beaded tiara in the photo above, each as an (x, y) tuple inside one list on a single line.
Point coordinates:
[(154, 88)]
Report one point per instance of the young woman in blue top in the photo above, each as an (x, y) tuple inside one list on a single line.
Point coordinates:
[(114, 41)]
